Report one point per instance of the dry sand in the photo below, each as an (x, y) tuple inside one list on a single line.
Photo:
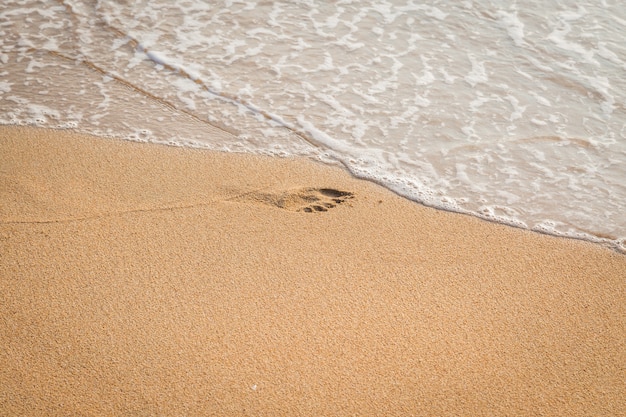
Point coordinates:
[(147, 280)]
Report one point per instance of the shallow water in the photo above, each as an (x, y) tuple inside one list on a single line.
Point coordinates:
[(514, 113)]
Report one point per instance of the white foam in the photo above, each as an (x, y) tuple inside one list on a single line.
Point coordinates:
[(513, 26), (5, 86), (559, 37), (426, 77), (477, 74), (475, 104), (435, 12), (40, 114), (541, 100), (518, 110)]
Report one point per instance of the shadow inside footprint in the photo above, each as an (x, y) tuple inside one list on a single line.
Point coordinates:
[(321, 199)]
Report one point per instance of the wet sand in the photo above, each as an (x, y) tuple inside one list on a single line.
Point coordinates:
[(139, 279)]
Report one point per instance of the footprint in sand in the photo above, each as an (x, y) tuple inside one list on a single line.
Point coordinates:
[(317, 199), (308, 200)]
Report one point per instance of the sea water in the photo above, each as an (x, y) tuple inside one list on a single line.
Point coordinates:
[(510, 111)]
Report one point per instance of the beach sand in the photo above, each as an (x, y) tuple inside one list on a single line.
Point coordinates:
[(140, 279)]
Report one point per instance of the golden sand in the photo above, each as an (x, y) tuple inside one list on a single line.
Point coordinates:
[(139, 279)]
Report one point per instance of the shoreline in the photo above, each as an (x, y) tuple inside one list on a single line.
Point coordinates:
[(146, 279), (609, 242)]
